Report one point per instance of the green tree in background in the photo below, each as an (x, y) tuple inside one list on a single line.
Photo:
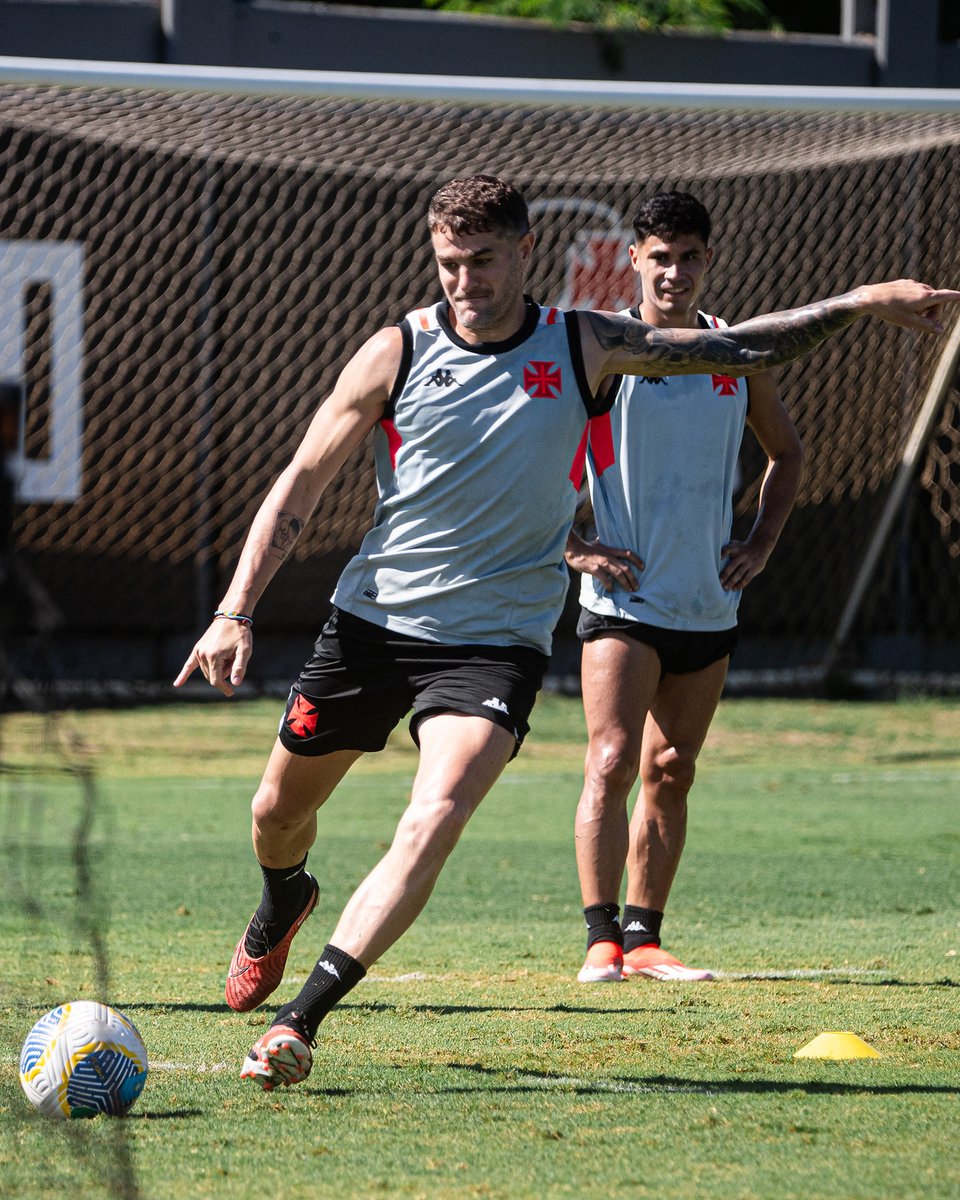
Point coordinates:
[(707, 15)]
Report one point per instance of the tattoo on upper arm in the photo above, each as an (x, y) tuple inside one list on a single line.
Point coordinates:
[(285, 532), (749, 347)]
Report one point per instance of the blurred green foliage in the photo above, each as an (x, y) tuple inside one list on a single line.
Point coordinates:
[(704, 15)]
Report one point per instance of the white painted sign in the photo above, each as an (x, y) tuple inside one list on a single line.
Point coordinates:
[(56, 477)]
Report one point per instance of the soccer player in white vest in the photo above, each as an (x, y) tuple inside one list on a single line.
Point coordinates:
[(659, 594), (479, 404)]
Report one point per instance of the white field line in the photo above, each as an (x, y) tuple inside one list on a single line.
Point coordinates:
[(800, 973), (613, 1085), (195, 1068)]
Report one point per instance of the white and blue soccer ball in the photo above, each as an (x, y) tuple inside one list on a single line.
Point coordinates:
[(82, 1059)]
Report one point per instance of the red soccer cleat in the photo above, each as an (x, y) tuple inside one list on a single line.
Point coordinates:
[(658, 964), (281, 1056), (251, 980), (603, 964)]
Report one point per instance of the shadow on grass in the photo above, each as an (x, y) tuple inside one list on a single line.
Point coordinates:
[(173, 1114), (536, 1080), (837, 980), (442, 1010), (919, 756), (449, 1010), (497, 1081)]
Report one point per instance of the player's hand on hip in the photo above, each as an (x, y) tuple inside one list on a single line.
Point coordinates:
[(909, 304), (222, 655), (613, 566), (744, 562)]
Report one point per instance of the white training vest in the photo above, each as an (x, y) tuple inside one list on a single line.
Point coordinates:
[(479, 460), (661, 469)]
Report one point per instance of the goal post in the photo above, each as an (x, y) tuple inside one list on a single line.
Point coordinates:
[(188, 255)]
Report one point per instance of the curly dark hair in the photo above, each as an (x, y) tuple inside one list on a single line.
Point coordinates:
[(479, 204), (671, 214)]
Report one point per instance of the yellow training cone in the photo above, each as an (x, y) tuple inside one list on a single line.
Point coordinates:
[(837, 1045)]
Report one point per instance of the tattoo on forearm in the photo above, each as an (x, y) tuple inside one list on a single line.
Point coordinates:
[(286, 531), (748, 347)]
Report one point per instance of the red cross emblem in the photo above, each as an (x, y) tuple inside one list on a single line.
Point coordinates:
[(541, 380), (599, 274), (302, 717), (725, 385)]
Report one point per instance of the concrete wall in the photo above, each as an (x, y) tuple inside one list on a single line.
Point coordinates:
[(122, 30), (282, 33)]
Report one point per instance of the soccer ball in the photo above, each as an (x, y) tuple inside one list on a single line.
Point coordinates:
[(82, 1059)]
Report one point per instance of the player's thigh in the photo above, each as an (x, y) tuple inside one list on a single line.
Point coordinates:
[(294, 785), (680, 715), (619, 678), (461, 758)]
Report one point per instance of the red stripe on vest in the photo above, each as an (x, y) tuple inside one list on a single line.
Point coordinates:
[(394, 440), (579, 459), (552, 317), (601, 442)]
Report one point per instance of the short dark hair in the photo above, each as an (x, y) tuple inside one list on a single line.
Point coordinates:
[(479, 204), (671, 214)]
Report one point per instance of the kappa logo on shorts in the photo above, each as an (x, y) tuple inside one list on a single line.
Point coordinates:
[(497, 703), (302, 717)]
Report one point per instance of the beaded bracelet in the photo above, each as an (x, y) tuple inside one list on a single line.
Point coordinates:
[(242, 618)]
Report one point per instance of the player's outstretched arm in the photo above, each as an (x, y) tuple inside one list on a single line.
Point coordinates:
[(617, 344), (339, 426)]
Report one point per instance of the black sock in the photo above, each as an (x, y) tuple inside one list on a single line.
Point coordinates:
[(285, 892), (602, 924), (335, 974), (641, 927)]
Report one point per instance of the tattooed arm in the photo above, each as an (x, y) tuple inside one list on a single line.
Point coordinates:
[(617, 344), (339, 426)]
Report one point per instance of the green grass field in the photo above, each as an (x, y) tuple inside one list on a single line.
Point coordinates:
[(821, 879)]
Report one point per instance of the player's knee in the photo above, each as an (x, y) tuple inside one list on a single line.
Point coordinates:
[(672, 768), (611, 764), (270, 815), (431, 827)]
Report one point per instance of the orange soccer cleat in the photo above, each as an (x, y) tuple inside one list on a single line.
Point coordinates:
[(281, 1056), (603, 964), (658, 964), (251, 980)]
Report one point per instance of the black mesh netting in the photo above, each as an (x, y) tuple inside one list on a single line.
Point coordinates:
[(236, 250)]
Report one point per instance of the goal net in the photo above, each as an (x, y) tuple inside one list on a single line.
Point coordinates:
[(186, 264)]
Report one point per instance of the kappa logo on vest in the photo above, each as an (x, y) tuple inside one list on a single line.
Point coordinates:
[(441, 378), (542, 380), (725, 385)]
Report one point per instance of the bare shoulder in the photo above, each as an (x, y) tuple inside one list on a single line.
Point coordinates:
[(380, 355), (604, 337), (609, 329), (369, 375)]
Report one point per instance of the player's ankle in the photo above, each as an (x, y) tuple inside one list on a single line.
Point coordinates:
[(641, 927)]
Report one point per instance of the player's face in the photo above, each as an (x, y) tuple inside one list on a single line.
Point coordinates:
[(672, 272), (482, 276)]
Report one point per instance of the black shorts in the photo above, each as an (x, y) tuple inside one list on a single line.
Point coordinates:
[(681, 651), (363, 679)]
